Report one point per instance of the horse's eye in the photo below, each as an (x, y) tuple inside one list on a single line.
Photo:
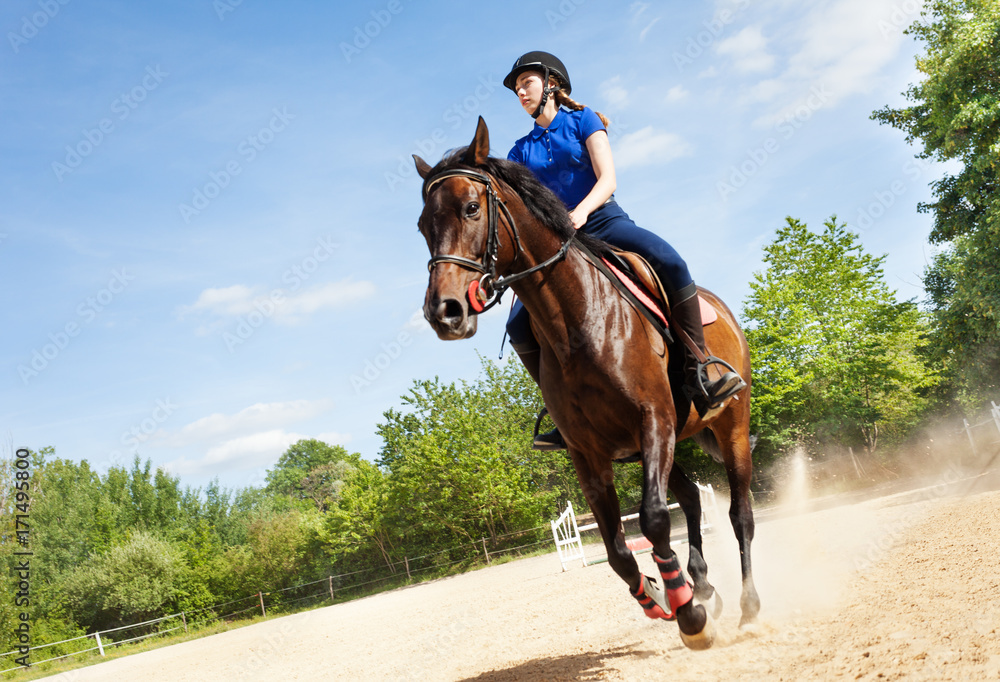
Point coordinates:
[(472, 210)]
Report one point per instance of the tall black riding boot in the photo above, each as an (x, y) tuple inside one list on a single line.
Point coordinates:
[(530, 356), (705, 393)]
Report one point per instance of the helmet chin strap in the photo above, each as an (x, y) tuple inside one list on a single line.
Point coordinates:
[(546, 91)]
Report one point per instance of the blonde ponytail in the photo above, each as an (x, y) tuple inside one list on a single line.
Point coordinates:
[(564, 100)]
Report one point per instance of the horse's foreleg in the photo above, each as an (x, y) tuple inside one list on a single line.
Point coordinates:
[(598, 488), (689, 497), (696, 625), (739, 469)]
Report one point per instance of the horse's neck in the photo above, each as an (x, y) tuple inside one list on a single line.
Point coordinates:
[(559, 297)]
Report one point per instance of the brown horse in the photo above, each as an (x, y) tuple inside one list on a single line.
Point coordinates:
[(605, 371)]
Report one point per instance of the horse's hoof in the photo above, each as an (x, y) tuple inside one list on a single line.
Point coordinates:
[(713, 605), (704, 639)]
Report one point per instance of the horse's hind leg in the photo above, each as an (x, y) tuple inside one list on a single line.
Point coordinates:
[(689, 497), (735, 450), (696, 625)]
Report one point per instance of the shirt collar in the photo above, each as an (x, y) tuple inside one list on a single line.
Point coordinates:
[(538, 130)]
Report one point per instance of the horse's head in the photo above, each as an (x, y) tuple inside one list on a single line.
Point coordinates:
[(455, 223)]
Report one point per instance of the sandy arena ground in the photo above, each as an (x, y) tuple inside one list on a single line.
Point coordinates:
[(900, 587)]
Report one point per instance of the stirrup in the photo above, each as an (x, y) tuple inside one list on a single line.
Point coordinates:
[(550, 440), (728, 385)]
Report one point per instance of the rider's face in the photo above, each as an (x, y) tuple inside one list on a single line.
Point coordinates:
[(528, 87)]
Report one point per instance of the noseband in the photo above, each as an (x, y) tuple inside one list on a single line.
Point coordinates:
[(486, 292)]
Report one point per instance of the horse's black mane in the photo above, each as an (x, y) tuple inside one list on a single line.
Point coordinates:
[(547, 208)]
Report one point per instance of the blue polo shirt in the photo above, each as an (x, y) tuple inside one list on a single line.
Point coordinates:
[(558, 155)]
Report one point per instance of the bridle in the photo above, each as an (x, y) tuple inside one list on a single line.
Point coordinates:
[(486, 292)]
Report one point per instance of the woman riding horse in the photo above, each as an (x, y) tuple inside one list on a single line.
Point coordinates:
[(605, 368), (569, 151)]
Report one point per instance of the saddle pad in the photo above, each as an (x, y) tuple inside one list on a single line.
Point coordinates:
[(708, 313)]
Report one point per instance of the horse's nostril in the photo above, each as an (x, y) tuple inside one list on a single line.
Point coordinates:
[(450, 309)]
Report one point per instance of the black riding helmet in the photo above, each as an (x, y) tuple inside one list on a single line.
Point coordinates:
[(549, 65)]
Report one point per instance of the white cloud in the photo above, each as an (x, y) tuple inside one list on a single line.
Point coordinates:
[(643, 32), (748, 50), (252, 450), (649, 146), (253, 438), (256, 451), (330, 295), (637, 8), (238, 300), (249, 420), (228, 301), (614, 92), (239, 454), (840, 48), (676, 94)]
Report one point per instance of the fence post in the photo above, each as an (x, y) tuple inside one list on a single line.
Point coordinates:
[(262, 611), (331, 586), (968, 432), (407, 562), (854, 459), (484, 550), (185, 620), (100, 646)]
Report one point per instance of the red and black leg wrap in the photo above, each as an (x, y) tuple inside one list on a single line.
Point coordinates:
[(648, 604), (679, 592)]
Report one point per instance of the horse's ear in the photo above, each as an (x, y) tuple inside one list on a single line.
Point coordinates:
[(423, 168), (479, 150)]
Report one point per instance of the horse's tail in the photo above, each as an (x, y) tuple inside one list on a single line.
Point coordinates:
[(710, 444)]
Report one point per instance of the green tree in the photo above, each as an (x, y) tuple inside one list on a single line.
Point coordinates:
[(358, 527), (460, 462), (127, 584), (954, 112), (311, 471), (835, 357)]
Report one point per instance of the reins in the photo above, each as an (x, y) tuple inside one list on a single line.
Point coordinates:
[(488, 290)]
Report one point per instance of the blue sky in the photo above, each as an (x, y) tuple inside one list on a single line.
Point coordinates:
[(208, 210)]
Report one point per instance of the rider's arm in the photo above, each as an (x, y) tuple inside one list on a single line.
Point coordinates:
[(599, 148)]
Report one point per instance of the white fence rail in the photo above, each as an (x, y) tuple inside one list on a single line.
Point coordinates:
[(994, 420), (569, 544), (322, 589)]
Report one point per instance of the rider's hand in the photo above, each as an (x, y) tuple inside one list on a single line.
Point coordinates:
[(577, 219)]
